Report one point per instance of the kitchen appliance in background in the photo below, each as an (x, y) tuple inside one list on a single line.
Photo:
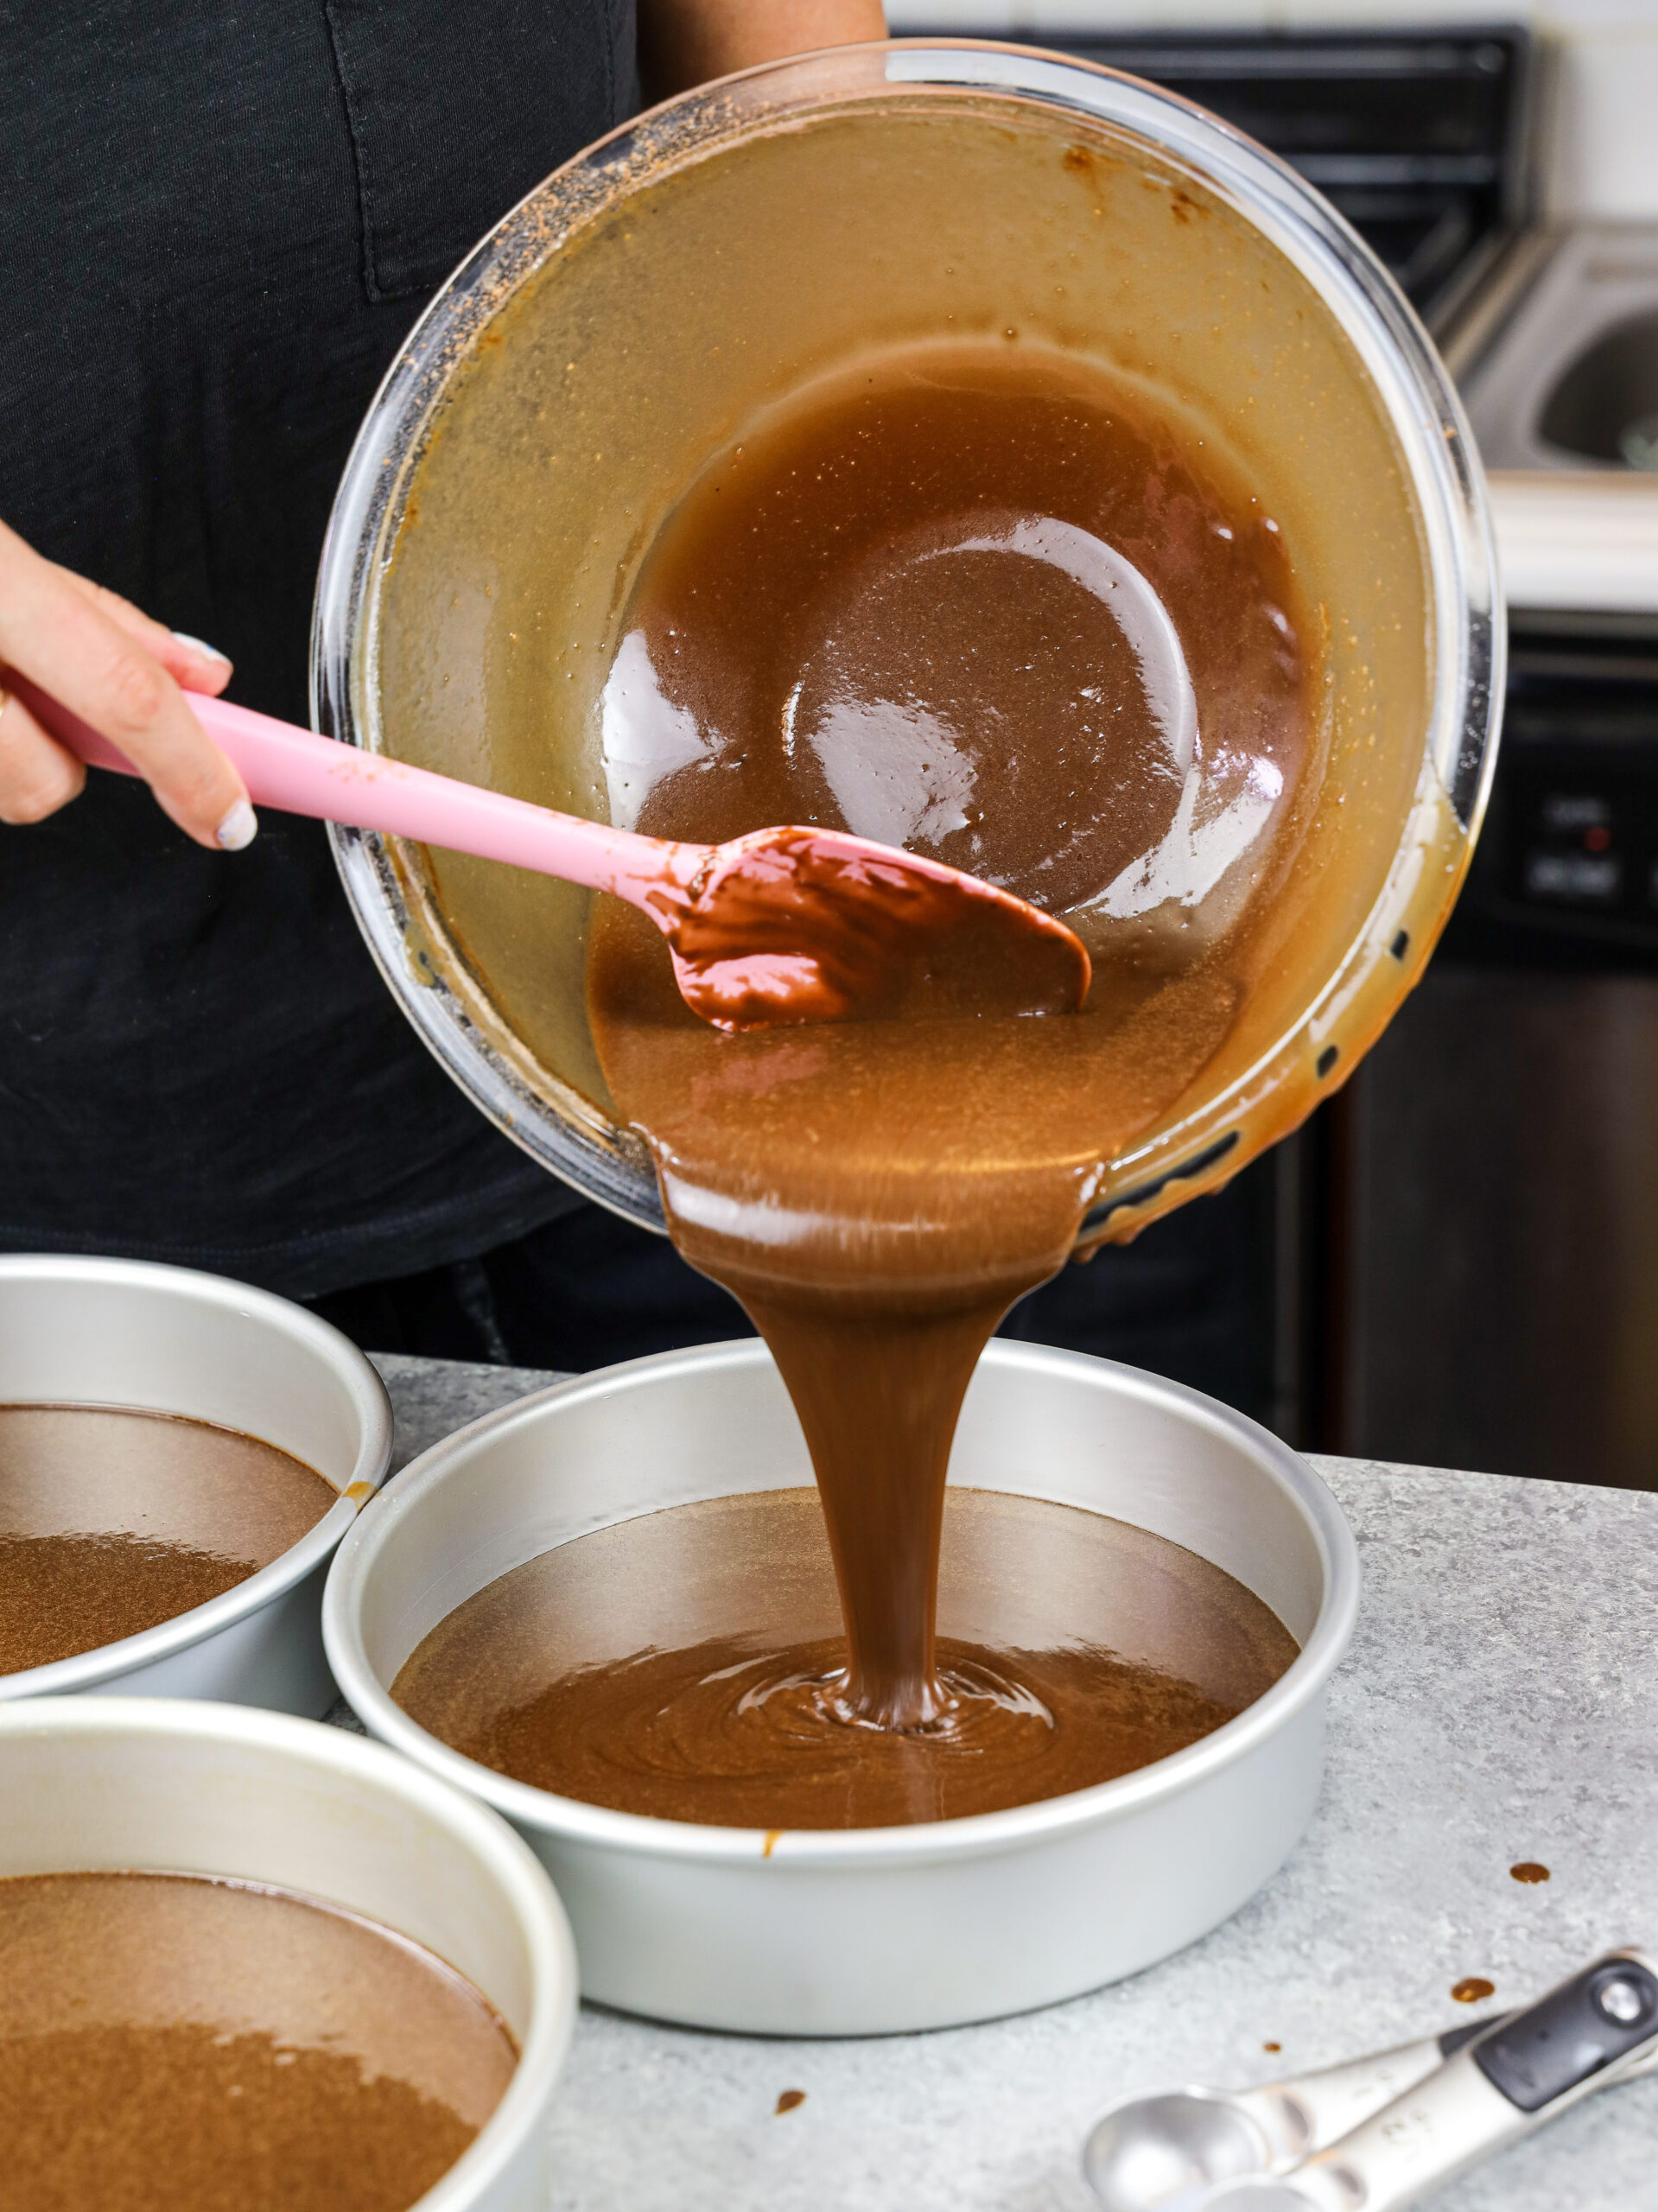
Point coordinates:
[(1490, 1253), (1456, 1262), (1558, 360), (1488, 1262), (1423, 140)]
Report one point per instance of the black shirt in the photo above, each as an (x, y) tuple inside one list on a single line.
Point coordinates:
[(220, 219)]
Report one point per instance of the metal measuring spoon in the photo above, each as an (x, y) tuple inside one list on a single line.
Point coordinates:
[(1596, 2029), (1147, 2152)]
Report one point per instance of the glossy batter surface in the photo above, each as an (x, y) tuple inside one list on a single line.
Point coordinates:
[(981, 603), (988, 606), (112, 1520), (169, 2043), (689, 1664), (797, 926)]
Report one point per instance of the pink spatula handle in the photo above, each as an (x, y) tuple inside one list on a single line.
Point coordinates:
[(298, 772)]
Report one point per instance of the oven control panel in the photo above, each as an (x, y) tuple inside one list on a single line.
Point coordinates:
[(1567, 862)]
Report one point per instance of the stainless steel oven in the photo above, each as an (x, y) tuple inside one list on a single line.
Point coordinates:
[(1487, 1268)]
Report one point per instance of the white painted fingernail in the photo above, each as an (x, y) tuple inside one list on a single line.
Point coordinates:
[(200, 645), (239, 828)]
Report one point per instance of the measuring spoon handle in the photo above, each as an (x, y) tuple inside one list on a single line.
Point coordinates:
[(1598, 2027), (1302, 2115)]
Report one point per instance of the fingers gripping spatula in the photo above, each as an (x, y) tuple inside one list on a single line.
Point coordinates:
[(788, 925)]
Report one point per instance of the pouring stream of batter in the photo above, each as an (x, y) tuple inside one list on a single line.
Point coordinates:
[(982, 606)]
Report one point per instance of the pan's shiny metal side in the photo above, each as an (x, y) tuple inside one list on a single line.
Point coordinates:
[(127, 1332), (874, 1930), (136, 1783)]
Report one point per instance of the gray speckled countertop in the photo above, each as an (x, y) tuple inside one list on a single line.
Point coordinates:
[(1500, 1703)]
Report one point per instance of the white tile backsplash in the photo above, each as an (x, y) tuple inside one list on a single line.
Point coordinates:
[(1601, 153)]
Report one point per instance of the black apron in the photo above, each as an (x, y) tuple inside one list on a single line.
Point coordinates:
[(221, 217)]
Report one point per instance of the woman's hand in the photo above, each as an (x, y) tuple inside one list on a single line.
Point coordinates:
[(685, 42), (123, 673)]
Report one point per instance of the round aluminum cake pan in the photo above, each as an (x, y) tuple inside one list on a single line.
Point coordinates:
[(873, 1930), (125, 1332), (149, 1784)]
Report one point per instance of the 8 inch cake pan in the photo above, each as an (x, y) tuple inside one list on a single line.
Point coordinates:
[(154, 1785), (872, 1931), (127, 1333)]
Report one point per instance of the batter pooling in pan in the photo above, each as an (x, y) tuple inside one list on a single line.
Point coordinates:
[(978, 601)]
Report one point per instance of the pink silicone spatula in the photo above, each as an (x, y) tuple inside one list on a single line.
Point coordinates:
[(785, 925)]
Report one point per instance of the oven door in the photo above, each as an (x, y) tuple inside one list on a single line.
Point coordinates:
[(1493, 1251)]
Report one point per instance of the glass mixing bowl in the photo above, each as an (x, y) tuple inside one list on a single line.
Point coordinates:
[(622, 324)]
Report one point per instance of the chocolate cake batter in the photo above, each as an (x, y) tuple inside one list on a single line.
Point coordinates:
[(979, 601), (215, 2047), (113, 1519), (676, 1664)]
